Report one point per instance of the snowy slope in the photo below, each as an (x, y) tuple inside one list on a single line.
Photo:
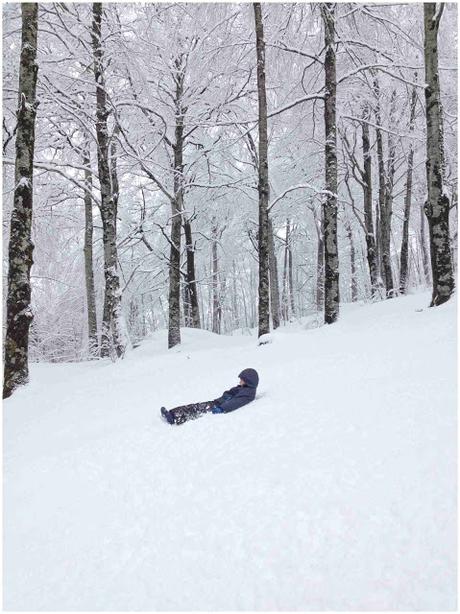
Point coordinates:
[(335, 489)]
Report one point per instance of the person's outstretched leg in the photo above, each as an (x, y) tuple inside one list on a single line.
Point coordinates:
[(190, 412)]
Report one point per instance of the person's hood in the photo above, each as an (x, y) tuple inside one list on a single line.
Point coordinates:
[(250, 376)]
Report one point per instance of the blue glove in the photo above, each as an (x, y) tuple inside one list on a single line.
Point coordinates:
[(217, 410)]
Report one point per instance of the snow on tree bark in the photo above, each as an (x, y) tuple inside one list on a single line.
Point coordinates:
[(331, 256), (437, 204), (177, 206), (407, 201), (274, 287), (88, 255), (193, 310), (367, 192), (112, 330), (385, 200), (263, 186), (18, 309)]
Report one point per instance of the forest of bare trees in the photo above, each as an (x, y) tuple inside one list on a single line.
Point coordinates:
[(224, 166)]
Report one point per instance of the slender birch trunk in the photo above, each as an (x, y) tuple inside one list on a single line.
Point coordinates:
[(331, 256), (403, 274), (263, 186), (437, 204), (18, 303)]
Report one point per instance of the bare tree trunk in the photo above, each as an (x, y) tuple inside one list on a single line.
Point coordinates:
[(424, 248), (291, 279), (385, 194), (285, 298), (331, 256), (192, 292), (176, 214), (368, 222), (354, 285), (381, 175), (236, 316), (109, 198), (407, 200), (263, 186), (18, 308), (320, 263), (274, 287), (437, 205), (216, 306), (88, 254)]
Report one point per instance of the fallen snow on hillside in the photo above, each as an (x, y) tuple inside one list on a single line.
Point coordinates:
[(334, 490)]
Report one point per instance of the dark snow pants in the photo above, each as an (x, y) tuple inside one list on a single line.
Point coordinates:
[(190, 412)]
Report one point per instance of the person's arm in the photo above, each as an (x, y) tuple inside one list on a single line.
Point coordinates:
[(228, 394), (243, 396)]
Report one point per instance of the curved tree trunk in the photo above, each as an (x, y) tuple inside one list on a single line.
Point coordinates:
[(18, 309), (437, 205)]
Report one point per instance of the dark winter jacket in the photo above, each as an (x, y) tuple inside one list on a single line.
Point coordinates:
[(238, 396)]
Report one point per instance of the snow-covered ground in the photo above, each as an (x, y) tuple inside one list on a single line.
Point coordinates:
[(334, 490)]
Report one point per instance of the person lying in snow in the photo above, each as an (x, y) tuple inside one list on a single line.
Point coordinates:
[(230, 400)]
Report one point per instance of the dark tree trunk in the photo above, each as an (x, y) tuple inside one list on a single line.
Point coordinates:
[(320, 264), (437, 205), (424, 248), (18, 308), (88, 254), (216, 304), (381, 176), (176, 215), (291, 278), (354, 284), (236, 316), (331, 256), (274, 287), (285, 294), (263, 186), (192, 292), (111, 325), (407, 201), (388, 209), (368, 222), (385, 195)]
